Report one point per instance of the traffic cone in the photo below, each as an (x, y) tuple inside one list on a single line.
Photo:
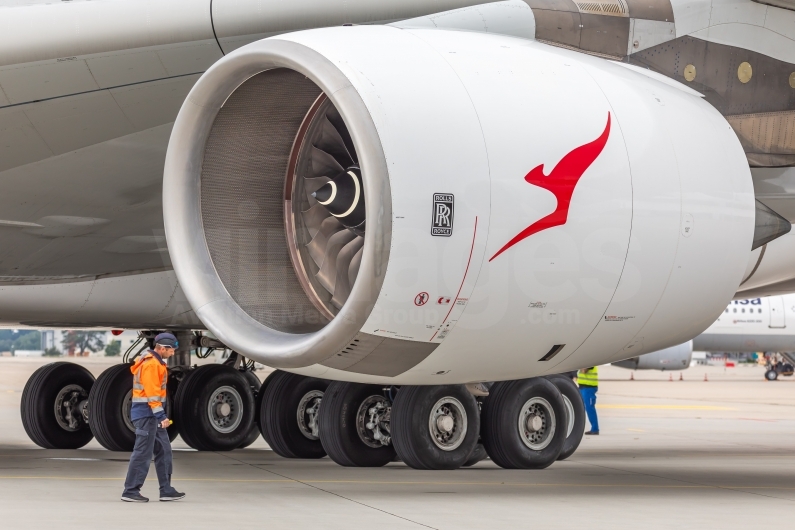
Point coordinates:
[(705, 377), (670, 377), (680, 377)]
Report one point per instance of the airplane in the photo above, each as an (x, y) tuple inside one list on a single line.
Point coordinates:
[(394, 203), (745, 326)]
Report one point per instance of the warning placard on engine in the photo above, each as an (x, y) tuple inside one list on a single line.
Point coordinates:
[(442, 222)]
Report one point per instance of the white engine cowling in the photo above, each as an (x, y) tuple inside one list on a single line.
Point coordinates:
[(528, 210)]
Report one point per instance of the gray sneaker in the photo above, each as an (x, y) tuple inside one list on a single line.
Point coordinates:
[(134, 497), (173, 496)]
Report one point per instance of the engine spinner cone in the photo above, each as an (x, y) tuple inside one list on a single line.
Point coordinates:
[(343, 197)]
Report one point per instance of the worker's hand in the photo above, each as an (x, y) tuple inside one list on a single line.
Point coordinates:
[(165, 423)]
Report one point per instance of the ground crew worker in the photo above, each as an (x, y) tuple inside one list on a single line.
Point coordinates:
[(148, 415), (588, 381)]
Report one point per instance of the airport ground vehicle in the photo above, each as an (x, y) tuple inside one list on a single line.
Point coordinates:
[(498, 193)]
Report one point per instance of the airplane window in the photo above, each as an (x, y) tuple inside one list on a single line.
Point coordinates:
[(726, 311), (743, 310), (758, 310), (734, 310)]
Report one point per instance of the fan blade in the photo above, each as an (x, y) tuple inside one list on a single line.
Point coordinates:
[(317, 247), (342, 286), (353, 268), (336, 120), (313, 218), (331, 142), (324, 164), (327, 275)]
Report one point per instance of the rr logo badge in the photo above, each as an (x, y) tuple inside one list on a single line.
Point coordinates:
[(442, 222)]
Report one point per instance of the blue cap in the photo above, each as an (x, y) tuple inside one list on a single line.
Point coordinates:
[(166, 339)]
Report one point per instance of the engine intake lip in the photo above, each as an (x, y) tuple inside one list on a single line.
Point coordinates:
[(185, 234)]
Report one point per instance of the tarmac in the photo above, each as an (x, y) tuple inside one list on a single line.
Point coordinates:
[(671, 454)]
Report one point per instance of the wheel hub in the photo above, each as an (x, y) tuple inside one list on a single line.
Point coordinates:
[(537, 423), (69, 405), (126, 411), (448, 423), (534, 423), (225, 409), (373, 422), (307, 414)]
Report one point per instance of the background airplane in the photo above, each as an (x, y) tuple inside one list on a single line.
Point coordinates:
[(757, 325)]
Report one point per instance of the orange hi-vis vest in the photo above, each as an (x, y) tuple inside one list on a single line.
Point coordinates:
[(150, 377)]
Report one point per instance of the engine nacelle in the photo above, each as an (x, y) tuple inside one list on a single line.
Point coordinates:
[(527, 209), (674, 358)]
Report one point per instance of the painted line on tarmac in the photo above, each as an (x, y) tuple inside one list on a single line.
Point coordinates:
[(663, 407), (422, 483)]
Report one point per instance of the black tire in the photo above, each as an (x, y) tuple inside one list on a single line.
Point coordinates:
[(340, 424), (38, 406), (411, 428), (255, 385), (106, 406), (193, 402), (172, 387), (478, 454), (500, 417), (771, 375), (278, 415), (575, 428)]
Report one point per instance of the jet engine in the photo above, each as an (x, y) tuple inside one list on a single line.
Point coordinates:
[(421, 206)]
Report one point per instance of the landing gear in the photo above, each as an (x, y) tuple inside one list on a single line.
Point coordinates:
[(256, 391), (575, 414), (771, 375), (109, 404), (289, 414), (215, 408), (54, 405), (435, 427), (478, 454), (524, 423), (355, 421)]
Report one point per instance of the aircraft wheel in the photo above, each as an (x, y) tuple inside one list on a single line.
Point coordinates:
[(478, 454), (524, 423), (256, 389), (53, 406), (435, 427), (355, 420), (289, 414), (771, 375), (215, 407), (109, 404), (575, 414)]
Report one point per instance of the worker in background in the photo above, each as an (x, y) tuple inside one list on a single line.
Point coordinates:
[(148, 415), (588, 381)]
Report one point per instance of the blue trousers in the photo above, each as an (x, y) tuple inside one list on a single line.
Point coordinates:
[(150, 439), (588, 394)]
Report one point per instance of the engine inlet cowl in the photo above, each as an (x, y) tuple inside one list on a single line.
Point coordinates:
[(275, 165)]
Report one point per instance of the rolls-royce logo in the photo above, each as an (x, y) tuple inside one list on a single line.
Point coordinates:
[(442, 222), (561, 181)]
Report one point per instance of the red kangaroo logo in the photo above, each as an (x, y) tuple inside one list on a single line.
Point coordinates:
[(561, 182)]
